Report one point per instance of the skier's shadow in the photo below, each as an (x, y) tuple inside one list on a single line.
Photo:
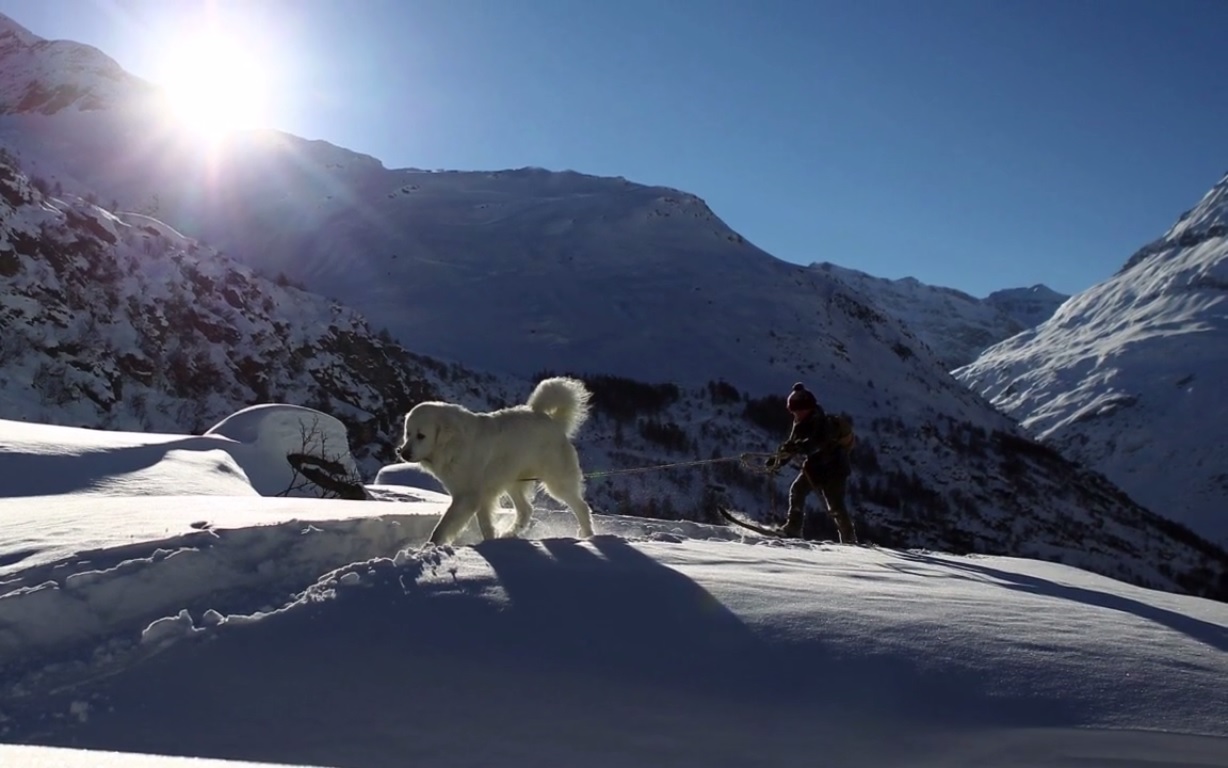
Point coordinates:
[(1196, 629)]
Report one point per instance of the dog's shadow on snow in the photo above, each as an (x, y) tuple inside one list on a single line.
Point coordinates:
[(576, 600)]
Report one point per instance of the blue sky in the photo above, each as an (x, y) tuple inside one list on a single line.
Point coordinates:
[(976, 144)]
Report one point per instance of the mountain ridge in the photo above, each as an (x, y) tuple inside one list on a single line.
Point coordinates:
[(443, 259), (1029, 306), (955, 325)]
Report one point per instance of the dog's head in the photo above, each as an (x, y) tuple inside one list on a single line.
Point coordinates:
[(424, 434)]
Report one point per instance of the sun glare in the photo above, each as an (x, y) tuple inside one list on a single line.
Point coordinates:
[(214, 84)]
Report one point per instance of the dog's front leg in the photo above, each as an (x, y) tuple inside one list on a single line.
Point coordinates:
[(454, 520)]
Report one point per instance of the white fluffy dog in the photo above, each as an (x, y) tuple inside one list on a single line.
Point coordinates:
[(478, 457)]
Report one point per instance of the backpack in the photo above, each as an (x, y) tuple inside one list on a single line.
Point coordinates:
[(840, 430)]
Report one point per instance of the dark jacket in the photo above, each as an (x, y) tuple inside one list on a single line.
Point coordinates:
[(813, 437)]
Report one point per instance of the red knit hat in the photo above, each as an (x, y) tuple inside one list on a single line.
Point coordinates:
[(800, 399)]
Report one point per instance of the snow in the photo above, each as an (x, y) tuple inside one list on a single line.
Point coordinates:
[(1029, 306), (1211, 212), (52, 757), (44, 459), (117, 321), (311, 632), (53, 76), (403, 474), (244, 454), (8, 27), (272, 431)]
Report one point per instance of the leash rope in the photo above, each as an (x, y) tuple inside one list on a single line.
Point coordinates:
[(744, 458), (753, 462), (654, 467)]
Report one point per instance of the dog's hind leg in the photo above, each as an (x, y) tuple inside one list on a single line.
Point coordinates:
[(521, 495), (486, 517), (570, 491)]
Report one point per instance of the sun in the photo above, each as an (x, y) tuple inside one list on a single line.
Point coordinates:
[(214, 83)]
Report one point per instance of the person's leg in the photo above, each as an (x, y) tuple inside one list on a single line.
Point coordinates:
[(833, 488), (798, 492)]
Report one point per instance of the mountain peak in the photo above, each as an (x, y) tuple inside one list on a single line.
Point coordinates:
[(1037, 291), (39, 76), (1211, 211), (1207, 220), (954, 324), (11, 29)]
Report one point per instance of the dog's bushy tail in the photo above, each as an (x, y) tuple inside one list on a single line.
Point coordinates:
[(563, 399)]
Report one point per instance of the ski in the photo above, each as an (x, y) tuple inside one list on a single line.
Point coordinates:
[(775, 533), (762, 530)]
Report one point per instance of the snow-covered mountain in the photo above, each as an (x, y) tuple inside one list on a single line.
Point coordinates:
[(511, 271), (480, 267), (1027, 306), (1126, 376), (955, 325), (688, 334), (120, 322), (49, 76)]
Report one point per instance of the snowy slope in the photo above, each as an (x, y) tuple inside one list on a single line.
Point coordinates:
[(315, 632), (1127, 375), (956, 326), (50, 76), (496, 270), (121, 322)]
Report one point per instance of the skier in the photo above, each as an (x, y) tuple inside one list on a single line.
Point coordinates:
[(825, 469)]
